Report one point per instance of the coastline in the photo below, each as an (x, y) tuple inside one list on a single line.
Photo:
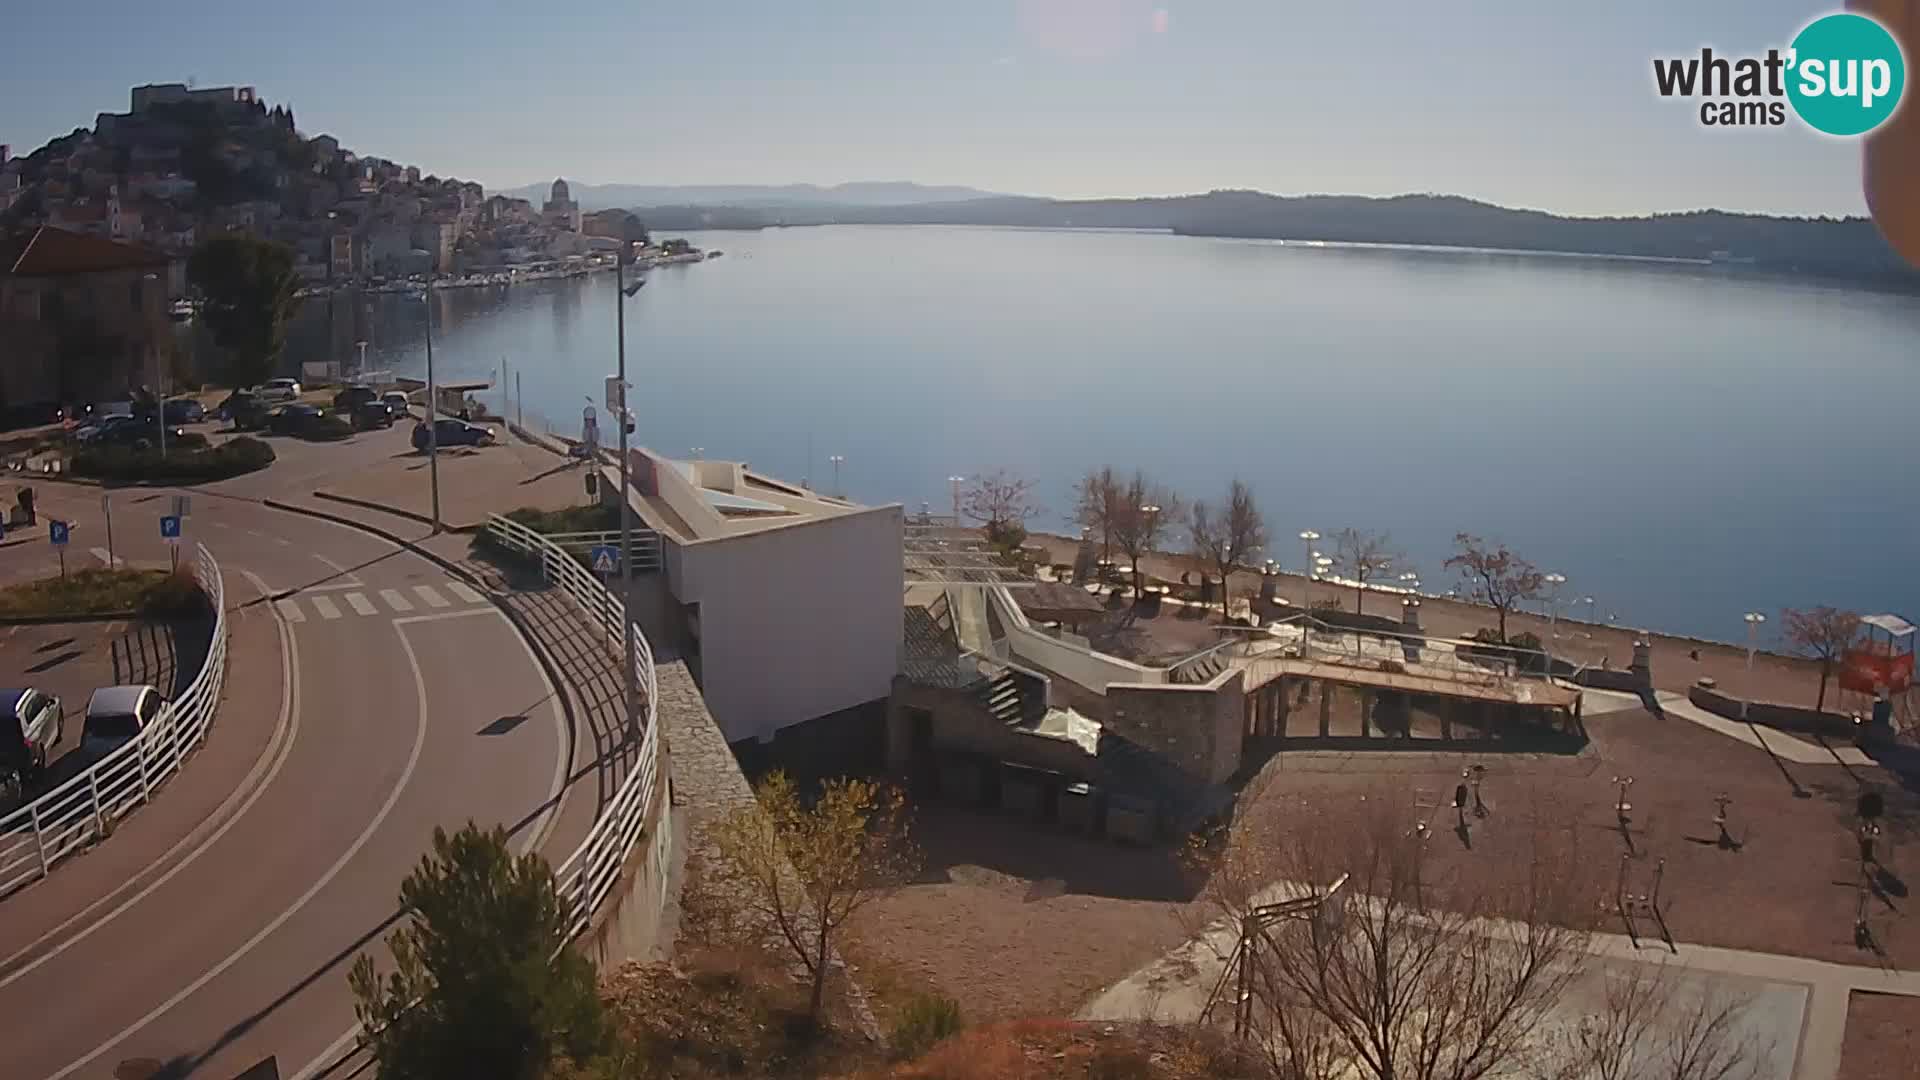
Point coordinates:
[(1775, 677)]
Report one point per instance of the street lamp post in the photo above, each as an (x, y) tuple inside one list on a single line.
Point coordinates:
[(837, 460), (1554, 581), (1754, 619), (1306, 587), (629, 678), (1589, 602), (433, 412), (1153, 528), (956, 481)]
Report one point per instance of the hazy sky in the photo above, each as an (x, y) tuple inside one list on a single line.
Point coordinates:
[(1524, 103)]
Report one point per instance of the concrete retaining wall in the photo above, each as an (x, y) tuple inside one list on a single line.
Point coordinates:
[(1773, 714), (1084, 667)]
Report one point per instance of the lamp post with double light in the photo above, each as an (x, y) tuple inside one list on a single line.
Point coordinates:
[(1306, 586), (1753, 620)]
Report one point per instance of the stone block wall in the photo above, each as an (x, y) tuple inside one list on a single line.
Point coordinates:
[(1198, 727)]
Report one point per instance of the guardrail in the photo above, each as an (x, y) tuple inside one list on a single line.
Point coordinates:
[(646, 545), (590, 873), (84, 807)]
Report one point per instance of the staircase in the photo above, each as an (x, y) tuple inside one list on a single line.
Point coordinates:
[(1200, 669), (1015, 698)]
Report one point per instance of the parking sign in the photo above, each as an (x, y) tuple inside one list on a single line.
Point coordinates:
[(57, 533), (170, 528)]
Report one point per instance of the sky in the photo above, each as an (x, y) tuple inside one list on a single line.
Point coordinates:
[(1541, 105)]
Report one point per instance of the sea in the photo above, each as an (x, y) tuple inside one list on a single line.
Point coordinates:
[(1683, 443)]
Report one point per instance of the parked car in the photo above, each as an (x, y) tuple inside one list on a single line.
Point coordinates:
[(295, 419), (31, 723), (369, 415), (96, 429), (398, 402), (183, 411), (115, 715), (449, 432), (127, 431), (353, 397), (279, 390)]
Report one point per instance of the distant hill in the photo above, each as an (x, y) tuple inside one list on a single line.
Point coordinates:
[(1840, 249), (858, 193)]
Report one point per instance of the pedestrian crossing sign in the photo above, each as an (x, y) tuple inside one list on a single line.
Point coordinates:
[(605, 559)]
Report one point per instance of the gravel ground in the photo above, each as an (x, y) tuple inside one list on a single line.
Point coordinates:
[(1883, 1038)]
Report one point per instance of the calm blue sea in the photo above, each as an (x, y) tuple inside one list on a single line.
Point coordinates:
[(1683, 445)]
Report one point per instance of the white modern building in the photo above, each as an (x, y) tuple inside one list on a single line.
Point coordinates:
[(786, 603)]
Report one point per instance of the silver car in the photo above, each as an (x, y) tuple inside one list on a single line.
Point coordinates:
[(279, 390), (117, 714)]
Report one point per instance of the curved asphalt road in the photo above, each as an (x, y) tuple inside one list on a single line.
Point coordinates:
[(386, 723)]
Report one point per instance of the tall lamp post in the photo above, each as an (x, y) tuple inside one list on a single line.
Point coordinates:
[(837, 460), (433, 412), (956, 481), (1554, 581), (630, 678), (1754, 619), (1306, 587)]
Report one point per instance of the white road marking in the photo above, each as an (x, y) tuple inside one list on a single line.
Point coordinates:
[(361, 605), (290, 610), (347, 574), (325, 606), (284, 735), (532, 840), (465, 592), (461, 614), (393, 797), (433, 599), (395, 600)]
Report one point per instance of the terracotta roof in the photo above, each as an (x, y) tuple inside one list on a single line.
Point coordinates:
[(53, 251)]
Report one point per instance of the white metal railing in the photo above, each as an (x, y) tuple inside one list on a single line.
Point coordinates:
[(646, 545), (84, 807), (591, 872)]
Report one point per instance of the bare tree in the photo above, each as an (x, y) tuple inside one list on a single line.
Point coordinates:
[(1224, 535), (1653, 1024), (1363, 556), (802, 869), (1002, 501), (1495, 576), (1409, 975), (1097, 498), (1140, 518), (1823, 633)]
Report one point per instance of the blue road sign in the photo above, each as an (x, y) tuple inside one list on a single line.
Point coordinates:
[(605, 558), (170, 527), (57, 532)]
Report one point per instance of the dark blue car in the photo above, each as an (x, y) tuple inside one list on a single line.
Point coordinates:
[(452, 433)]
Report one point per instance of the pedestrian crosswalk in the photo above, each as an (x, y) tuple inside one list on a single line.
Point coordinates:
[(325, 606)]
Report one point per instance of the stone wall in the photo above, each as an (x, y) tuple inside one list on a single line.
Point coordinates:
[(1198, 727), (1772, 714)]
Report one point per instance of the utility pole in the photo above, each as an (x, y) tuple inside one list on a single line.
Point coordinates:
[(433, 415), (628, 677)]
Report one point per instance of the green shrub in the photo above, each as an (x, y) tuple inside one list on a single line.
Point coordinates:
[(329, 428), (188, 464), (922, 1022)]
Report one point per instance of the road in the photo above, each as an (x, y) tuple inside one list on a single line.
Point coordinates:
[(375, 699)]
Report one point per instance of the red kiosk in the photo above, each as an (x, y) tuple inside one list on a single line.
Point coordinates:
[(1881, 664)]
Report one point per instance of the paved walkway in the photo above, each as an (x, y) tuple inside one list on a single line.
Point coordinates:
[(1778, 743), (1797, 1011)]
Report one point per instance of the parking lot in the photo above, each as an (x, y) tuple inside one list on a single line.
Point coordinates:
[(70, 660)]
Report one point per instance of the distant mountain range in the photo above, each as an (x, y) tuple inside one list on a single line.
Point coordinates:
[(753, 196), (1838, 249)]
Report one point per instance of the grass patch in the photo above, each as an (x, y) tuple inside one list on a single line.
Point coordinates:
[(102, 591)]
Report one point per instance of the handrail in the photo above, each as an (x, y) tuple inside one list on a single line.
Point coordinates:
[(84, 808), (590, 873)]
